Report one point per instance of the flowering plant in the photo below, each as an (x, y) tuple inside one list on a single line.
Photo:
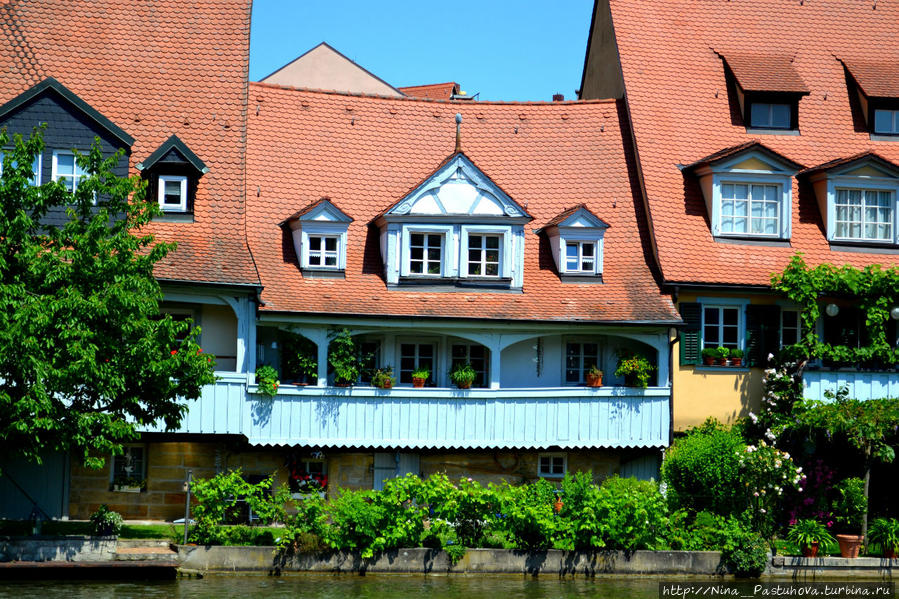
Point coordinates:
[(267, 379), (767, 472), (306, 482), (635, 367)]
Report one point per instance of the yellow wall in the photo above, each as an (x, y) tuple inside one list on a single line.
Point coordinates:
[(723, 393)]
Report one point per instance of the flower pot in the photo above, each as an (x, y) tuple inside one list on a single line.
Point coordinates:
[(387, 384), (418, 383), (810, 550), (557, 506), (708, 361), (342, 383), (736, 361), (594, 380), (721, 361), (889, 552), (464, 385), (850, 544)]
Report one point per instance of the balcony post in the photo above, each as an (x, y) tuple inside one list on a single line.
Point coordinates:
[(496, 351)]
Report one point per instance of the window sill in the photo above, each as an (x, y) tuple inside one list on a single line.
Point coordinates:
[(323, 273), (764, 131), (581, 278), (753, 240), (884, 137), (861, 246), (175, 217), (454, 284), (720, 369)]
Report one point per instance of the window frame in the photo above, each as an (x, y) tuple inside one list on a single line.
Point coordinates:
[(446, 261), (323, 253), (798, 326), (128, 447), (552, 456), (485, 373), (741, 323), (435, 378), (584, 366), (770, 114), (790, 99), (580, 243), (783, 185), (321, 229), (76, 177), (36, 166), (862, 224), (778, 192), (182, 204), (851, 182), (891, 108)]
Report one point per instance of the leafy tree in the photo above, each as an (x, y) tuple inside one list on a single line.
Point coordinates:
[(85, 356)]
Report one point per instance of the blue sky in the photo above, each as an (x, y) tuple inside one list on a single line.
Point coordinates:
[(502, 49)]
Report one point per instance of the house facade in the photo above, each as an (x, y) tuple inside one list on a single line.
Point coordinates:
[(427, 234), (751, 148)]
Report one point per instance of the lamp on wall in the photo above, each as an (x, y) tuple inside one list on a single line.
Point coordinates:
[(832, 309), (894, 313)]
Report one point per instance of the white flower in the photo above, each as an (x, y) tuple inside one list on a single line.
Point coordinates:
[(762, 510), (753, 417), (777, 463), (786, 455), (770, 356), (799, 469), (756, 494), (800, 489)]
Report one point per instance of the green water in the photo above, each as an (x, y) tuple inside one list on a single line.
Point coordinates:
[(316, 586)]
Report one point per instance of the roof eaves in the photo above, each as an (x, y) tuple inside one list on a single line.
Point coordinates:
[(850, 160), (175, 143), (731, 151), (71, 97)]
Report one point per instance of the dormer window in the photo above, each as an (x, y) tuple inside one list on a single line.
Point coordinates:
[(576, 239), (877, 91), (173, 170), (319, 237), (456, 228), (173, 193), (748, 191), (66, 170), (858, 199), (767, 90)]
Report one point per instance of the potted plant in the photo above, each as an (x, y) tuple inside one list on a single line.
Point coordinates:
[(635, 369), (849, 508), (885, 532), (344, 359), (383, 378), (124, 483), (708, 356), (420, 377), (594, 377), (736, 357), (809, 534), (722, 354), (298, 358), (267, 380), (463, 375), (105, 522)]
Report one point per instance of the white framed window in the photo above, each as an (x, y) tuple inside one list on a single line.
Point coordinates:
[(886, 122), (129, 470), (323, 251), (790, 327), (750, 209), (579, 357), (475, 354), (426, 254), (864, 214), (306, 476), (66, 170), (580, 257), (722, 326), (484, 255), (35, 168), (767, 115), (173, 193), (414, 356), (552, 465)]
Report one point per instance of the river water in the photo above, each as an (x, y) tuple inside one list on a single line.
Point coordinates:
[(321, 586)]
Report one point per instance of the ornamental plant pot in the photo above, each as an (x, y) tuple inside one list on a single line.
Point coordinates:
[(464, 384), (387, 384), (889, 552), (736, 361), (342, 383), (708, 361), (810, 550), (850, 545), (594, 380), (418, 383), (721, 361)]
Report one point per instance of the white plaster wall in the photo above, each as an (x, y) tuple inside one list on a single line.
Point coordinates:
[(219, 335)]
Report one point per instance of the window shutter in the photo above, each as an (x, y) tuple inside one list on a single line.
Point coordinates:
[(762, 333), (690, 333)]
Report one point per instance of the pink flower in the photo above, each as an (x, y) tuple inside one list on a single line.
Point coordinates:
[(829, 523), (174, 351)]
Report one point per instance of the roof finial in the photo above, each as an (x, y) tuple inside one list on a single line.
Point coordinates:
[(458, 132)]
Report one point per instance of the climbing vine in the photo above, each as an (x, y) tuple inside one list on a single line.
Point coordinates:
[(873, 289)]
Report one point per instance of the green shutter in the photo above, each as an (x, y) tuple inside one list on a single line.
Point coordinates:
[(762, 333), (690, 333)]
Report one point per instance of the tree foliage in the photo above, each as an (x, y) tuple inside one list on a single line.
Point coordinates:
[(85, 356)]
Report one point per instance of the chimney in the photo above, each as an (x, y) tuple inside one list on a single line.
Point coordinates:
[(558, 97)]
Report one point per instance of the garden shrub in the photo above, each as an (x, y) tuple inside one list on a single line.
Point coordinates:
[(468, 506), (746, 555), (702, 471), (526, 513), (634, 513), (305, 530)]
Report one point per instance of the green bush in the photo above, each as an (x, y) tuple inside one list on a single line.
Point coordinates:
[(305, 531), (702, 471), (526, 514), (747, 556), (105, 522), (467, 506), (634, 513)]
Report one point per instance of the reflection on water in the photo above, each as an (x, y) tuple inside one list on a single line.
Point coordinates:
[(322, 586)]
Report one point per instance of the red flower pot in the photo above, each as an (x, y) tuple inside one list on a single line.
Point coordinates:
[(810, 550), (418, 383), (594, 380), (850, 545)]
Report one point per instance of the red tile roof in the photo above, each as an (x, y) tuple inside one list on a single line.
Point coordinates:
[(681, 111), (876, 79), (739, 149), (365, 153), (764, 73), (155, 69), (434, 91)]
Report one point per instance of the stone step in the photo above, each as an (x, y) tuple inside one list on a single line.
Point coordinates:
[(145, 554), (131, 543)]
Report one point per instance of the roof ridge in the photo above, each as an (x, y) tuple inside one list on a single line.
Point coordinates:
[(327, 92)]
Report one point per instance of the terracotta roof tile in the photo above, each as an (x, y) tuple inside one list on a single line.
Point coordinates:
[(867, 155), (155, 70), (738, 149), (365, 153), (434, 91), (763, 73), (681, 111), (876, 79)]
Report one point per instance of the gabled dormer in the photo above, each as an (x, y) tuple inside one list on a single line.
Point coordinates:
[(172, 171), (768, 90), (747, 191), (319, 234), (576, 240), (857, 196), (456, 227)]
